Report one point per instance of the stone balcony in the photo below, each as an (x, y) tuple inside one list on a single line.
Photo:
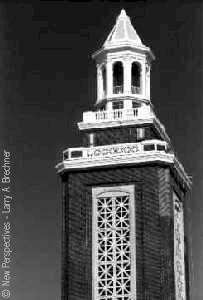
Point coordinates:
[(143, 112), (148, 151), (113, 151)]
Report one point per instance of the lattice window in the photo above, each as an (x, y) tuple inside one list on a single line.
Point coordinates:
[(113, 246)]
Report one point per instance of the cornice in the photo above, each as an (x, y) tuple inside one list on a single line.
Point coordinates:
[(144, 158), (124, 46), (115, 123), (81, 164), (141, 158)]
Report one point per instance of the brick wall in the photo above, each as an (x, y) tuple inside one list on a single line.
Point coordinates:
[(154, 230), (167, 234), (178, 187), (118, 135)]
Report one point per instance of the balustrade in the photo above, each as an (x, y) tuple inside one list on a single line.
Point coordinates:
[(100, 152), (135, 89), (118, 89)]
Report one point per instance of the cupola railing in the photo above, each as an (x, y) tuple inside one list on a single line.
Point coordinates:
[(118, 89), (117, 115), (135, 89)]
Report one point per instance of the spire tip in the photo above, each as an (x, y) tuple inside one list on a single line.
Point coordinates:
[(123, 13)]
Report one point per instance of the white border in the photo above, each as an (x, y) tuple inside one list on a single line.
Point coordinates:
[(179, 222), (130, 189), (146, 157)]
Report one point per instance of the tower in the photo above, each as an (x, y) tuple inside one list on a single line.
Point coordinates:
[(124, 199)]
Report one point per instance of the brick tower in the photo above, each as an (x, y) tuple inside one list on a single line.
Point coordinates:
[(124, 200)]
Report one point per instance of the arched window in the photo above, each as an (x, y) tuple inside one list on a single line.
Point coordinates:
[(104, 80), (118, 78), (136, 78)]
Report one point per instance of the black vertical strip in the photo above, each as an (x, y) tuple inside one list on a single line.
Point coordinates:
[(142, 245), (188, 243), (64, 241), (89, 241)]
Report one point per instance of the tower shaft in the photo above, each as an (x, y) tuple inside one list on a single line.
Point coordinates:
[(124, 200)]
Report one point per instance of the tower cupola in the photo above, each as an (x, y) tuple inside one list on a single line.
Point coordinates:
[(123, 67)]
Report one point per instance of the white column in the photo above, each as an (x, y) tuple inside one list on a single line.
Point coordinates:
[(109, 79), (148, 80), (143, 79), (91, 139), (99, 83), (109, 106), (127, 76)]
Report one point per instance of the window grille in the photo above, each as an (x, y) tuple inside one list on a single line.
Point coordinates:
[(114, 249)]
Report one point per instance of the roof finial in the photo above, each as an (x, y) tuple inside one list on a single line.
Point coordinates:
[(123, 12)]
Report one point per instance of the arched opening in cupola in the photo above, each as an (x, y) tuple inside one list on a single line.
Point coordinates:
[(136, 78), (118, 78), (104, 80)]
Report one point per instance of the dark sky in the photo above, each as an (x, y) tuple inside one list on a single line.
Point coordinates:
[(47, 79)]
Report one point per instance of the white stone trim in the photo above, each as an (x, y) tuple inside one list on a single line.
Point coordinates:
[(109, 79), (127, 77), (105, 116), (114, 191), (111, 150), (133, 47), (140, 157), (180, 170), (179, 252), (99, 82), (116, 123)]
